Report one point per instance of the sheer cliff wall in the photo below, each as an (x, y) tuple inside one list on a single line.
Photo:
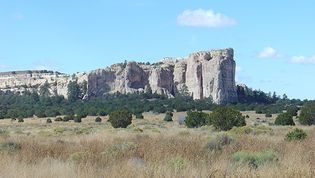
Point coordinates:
[(205, 74)]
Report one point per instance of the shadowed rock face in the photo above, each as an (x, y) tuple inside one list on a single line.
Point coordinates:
[(206, 74)]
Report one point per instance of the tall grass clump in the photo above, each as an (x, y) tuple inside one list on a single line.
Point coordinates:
[(296, 134), (255, 159)]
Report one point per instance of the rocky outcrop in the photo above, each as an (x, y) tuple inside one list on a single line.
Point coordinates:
[(136, 78), (180, 69), (19, 81), (204, 74), (161, 79)]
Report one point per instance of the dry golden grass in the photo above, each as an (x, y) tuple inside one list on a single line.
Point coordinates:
[(148, 148)]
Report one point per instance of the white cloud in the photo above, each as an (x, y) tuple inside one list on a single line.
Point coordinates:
[(303, 59), (268, 52), (204, 18)]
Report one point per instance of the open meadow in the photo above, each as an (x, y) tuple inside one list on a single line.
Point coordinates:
[(151, 147)]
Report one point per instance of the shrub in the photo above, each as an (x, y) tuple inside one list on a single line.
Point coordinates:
[(225, 118), (58, 119), (170, 113), (79, 157), (40, 113), (241, 130), (98, 119), (48, 121), (284, 119), (68, 118), (219, 142), (81, 115), (120, 149), (159, 109), (307, 116), (168, 117), (268, 115), (20, 120), (196, 119), (139, 116), (4, 132), (10, 146), (292, 110), (255, 130), (120, 118), (296, 134), (254, 159), (77, 119), (178, 163), (247, 116), (137, 130)]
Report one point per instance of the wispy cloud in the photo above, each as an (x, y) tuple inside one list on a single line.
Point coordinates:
[(303, 59), (204, 18), (268, 52)]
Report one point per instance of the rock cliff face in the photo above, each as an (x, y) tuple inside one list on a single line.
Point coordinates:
[(204, 74)]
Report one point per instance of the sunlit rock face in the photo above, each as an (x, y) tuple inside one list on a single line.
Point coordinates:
[(205, 74)]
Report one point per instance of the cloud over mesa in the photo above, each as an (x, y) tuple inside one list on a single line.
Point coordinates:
[(204, 18), (303, 59), (268, 52)]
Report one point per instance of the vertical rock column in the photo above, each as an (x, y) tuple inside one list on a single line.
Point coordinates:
[(194, 79), (180, 75), (219, 76)]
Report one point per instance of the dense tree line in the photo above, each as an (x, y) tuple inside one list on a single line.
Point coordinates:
[(31, 103), (42, 104)]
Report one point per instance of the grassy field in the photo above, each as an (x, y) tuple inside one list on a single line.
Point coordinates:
[(151, 147)]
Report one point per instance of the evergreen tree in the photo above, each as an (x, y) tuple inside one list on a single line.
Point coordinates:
[(73, 91), (184, 90), (148, 90), (44, 90)]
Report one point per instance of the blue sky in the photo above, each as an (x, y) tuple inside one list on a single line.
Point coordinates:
[(273, 40)]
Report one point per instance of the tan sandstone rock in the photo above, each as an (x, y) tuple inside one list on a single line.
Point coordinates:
[(206, 74)]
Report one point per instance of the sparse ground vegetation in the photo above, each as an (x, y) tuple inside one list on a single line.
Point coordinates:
[(155, 148), (214, 143)]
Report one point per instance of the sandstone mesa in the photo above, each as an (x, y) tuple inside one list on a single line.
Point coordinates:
[(206, 74)]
